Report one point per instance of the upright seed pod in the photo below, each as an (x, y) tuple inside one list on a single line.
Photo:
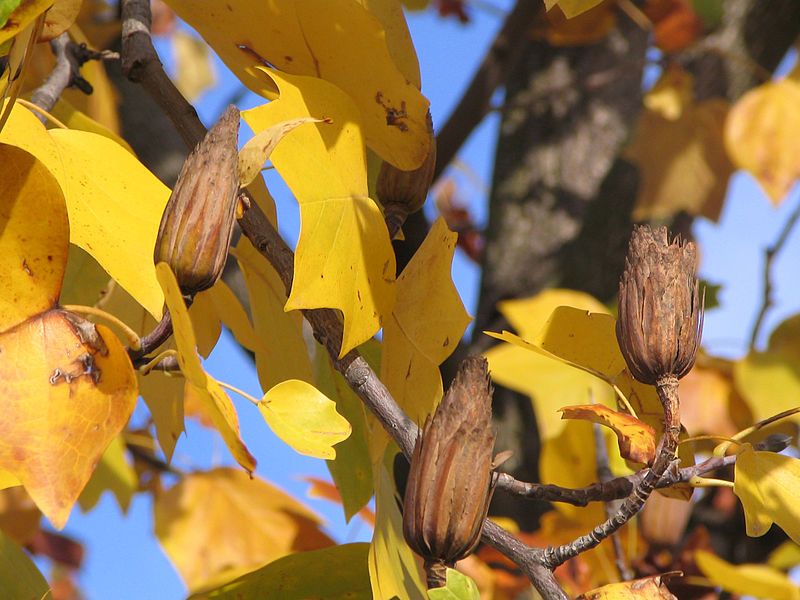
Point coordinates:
[(197, 224), (660, 307), (451, 480), (404, 192)]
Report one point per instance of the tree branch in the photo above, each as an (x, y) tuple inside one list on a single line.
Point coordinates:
[(474, 105), (770, 253), (140, 62)]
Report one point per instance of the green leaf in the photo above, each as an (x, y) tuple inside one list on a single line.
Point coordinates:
[(304, 418), (337, 573), (459, 587), (19, 577), (6, 8), (711, 291)]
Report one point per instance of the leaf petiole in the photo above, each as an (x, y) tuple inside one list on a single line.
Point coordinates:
[(134, 341)]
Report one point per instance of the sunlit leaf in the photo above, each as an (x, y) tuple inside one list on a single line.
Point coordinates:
[(216, 402), (572, 8), (768, 485), (114, 213), (59, 18), (304, 418), (392, 568), (256, 151), (194, 524), (338, 41), (679, 150), (753, 580), (637, 440), (328, 491), (647, 588), (67, 392), (344, 258), (427, 323), (339, 573), (760, 135), (34, 237)]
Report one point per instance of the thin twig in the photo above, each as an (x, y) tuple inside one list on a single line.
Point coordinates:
[(604, 474), (770, 253), (140, 62)]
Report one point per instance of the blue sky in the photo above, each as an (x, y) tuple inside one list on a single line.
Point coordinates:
[(123, 561)]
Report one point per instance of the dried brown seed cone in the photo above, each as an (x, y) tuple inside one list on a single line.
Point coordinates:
[(451, 481), (197, 224), (404, 192), (660, 306)]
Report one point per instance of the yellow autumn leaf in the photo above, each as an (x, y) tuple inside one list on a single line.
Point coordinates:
[(55, 362), (75, 119), (113, 473), (572, 8), (85, 281), (587, 340), (393, 570), (769, 381), (25, 13), (768, 484), (231, 312), (114, 213), (426, 325), (549, 383), (760, 581), (304, 418), (194, 69), (398, 38), (785, 556), (34, 237), (59, 18), (206, 322), (679, 150), (215, 401), (278, 342), (761, 135), (344, 258), (162, 392), (8, 480), (645, 588), (338, 41), (194, 524), (258, 148)]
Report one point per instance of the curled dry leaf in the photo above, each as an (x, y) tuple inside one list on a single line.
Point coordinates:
[(637, 440), (257, 149)]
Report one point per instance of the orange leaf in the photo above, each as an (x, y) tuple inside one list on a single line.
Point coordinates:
[(637, 440)]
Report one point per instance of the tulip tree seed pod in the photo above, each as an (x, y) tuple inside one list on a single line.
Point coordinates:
[(660, 306), (451, 479), (197, 224), (404, 192)]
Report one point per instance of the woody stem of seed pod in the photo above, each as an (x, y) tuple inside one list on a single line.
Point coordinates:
[(395, 214), (667, 388), (436, 571)]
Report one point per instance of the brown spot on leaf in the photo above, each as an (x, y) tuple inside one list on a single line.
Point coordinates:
[(395, 117), (26, 268)]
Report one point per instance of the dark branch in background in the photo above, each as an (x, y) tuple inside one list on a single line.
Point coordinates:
[(769, 257), (70, 57), (141, 63), (475, 104)]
